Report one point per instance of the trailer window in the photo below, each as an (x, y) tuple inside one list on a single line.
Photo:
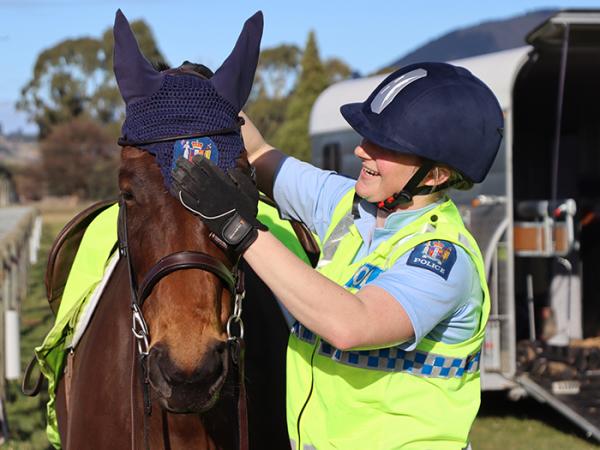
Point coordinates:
[(331, 156)]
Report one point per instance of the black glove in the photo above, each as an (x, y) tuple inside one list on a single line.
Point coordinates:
[(226, 203)]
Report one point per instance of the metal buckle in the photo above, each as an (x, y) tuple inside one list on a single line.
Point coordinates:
[(140, 330), (236, 316)]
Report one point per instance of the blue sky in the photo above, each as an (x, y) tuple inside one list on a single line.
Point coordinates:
[(366, 34)]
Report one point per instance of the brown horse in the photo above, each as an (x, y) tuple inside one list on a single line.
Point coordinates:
[(101, 402), (186, 314)]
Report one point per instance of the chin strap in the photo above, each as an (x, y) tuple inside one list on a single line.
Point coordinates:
[(411, 189)]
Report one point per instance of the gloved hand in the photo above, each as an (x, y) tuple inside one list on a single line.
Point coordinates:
[(226, 203)]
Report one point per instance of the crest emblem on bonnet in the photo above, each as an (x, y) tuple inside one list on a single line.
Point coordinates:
[(175, 112), (188, 148)]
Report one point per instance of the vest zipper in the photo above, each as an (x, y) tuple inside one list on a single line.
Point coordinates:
[(312, 383)]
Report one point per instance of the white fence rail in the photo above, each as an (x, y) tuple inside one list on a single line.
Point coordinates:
[(20, 232)]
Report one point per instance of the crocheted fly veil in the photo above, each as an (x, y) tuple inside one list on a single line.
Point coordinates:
[(173, 113)]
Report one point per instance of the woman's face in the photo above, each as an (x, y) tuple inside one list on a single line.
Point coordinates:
[(384, 172)]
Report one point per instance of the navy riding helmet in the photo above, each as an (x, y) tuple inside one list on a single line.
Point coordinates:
[(437, 111)]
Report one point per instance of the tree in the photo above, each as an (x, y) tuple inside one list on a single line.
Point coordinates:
[(27, 178), (292, 136), (277, 79), (80, 158), (75, 77), (337, 70), (276, 75), (277, 71)]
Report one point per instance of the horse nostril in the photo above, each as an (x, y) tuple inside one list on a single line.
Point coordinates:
[(221, 347), (159, 377), (167, 377), (212, 364)]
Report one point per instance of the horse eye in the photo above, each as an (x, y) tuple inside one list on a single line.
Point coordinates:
[(127, 196)]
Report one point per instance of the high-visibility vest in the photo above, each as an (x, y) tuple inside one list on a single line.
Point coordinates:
[(385, 398), (281, 229)]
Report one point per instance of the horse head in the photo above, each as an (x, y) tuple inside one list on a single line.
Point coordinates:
[(170, 114)]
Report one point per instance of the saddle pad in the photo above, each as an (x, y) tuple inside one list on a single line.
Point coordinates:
[(86, 315)]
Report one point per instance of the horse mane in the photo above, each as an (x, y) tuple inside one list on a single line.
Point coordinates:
[(186, 67), (160, 66)]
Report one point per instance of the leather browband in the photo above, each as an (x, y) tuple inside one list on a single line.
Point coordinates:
[(184, 260)]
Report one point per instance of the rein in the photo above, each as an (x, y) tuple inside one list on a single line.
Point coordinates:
[(165, 266)]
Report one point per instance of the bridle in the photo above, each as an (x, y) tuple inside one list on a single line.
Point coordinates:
[(232, 278), (165, 266)]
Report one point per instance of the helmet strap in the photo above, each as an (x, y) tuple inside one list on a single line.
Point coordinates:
[(411, 189)]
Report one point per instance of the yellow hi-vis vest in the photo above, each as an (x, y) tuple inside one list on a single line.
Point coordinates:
[(385, 398)]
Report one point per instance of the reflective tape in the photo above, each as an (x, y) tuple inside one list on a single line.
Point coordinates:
[(303, 333), (304, 447), (333, 241), (395, 359)]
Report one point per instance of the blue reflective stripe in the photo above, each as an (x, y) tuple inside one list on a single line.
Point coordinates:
[(303, 333), (395, 359)]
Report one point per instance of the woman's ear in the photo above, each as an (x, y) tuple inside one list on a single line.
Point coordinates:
[(437, 176)]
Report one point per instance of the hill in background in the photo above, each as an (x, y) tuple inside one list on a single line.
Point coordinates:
[(486, 37)]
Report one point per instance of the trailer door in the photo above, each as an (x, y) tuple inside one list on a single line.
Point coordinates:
[(557, 108)]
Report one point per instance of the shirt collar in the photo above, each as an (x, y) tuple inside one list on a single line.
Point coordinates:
[(365, 224)]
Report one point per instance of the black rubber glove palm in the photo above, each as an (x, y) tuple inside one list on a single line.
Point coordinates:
[(226, 203)]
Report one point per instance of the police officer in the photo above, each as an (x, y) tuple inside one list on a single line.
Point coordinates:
[(385, 350)]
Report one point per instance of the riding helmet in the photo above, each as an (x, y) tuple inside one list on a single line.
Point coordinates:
[(438, 111)]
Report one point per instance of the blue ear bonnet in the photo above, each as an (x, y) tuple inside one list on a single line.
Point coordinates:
[(185, 104), (181, 105)]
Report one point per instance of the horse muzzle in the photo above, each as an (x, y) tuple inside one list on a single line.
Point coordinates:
[(181, 391)]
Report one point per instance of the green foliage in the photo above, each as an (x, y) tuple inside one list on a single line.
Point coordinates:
[(277, 65), (384, 71), (268, 114), (75, 77), (337, 70), (74, 99), (287, 83), (277, 70), (292, 136)]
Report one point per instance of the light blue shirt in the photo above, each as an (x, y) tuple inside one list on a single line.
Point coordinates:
[(442, 309)]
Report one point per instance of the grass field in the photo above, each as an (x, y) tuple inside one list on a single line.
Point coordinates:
[(501, 424)]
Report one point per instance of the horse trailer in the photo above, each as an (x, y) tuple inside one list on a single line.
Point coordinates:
[(537, 215)]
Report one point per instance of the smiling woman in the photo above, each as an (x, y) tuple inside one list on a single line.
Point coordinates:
[(393, 319), (385, 172)]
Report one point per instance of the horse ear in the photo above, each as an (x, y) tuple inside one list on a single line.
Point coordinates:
[(135, 75), (233, 80)]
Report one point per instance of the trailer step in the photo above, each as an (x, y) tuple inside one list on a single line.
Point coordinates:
[(578, 400), (566, 387)]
